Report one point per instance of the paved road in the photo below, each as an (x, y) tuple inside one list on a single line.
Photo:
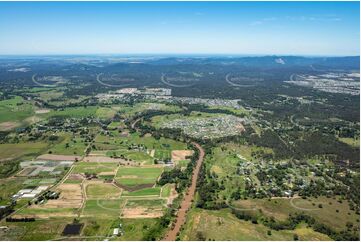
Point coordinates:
[(187, 200)]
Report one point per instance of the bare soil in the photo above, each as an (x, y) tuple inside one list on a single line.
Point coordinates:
[(4, 126), (42, 111), (94, 158), (58, 157), (71, 196), (141, 212), (178, 155)]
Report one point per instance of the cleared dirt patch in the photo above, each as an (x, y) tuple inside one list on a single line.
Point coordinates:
[(70, 197), (104, 159), (51, 214), (151, 153), (4, 126), (32, 119), (106, 173), (76, 177), (58, 157), (40, 111), (240, 127), (141, 212), (178, 155), (129, 176)]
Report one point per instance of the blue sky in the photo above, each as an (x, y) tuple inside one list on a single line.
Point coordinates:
[(260, 28)]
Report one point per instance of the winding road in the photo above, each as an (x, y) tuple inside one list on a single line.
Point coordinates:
[(188, 198)]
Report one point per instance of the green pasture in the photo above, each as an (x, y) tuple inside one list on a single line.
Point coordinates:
[(69, 145), (166, 190), (35, 231), (207, 224), (131, 176), (332, 213), (94, 167), (102, 191), (13, 151), (153, 191), (138, 156), (110, 208), (15, 109)]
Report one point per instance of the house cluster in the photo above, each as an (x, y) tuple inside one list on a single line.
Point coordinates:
[(208, 128)]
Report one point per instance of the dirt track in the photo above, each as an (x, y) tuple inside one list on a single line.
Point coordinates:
[(187, 201)]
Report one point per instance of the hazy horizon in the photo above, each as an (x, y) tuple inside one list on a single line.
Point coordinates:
[(180, 28)]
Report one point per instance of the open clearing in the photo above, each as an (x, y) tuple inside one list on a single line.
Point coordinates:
[(147, 208), (178, 155), (70, 197), (101, 190), (13, 151), (103, 207), (132, 176), (4, 126), (280, 208), (69, 145), (207, 224), (95, 158), (58, 157), (142, 212), (42, 111), (153, 191), (95, 167)]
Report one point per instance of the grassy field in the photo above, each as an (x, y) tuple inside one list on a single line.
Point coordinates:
[(102, 191), (50, 95), (153, 191), (351, 141), (114, 125), (69, 145), (105, 113), (38, 182), (138, 156), (74, 112), (103, 208), (136, 148), (182, 163), (241, 111), (134, 229), (225, 160), (148, 142), (130, 111), (148, 203), (15, 109), (280, 208), (37, 230), (166, 190), (48, 212), (94, 167), (223, 225), (138, 175), (72, 181), (9, 187), (162, 154), (158, 121), (13, 151)]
